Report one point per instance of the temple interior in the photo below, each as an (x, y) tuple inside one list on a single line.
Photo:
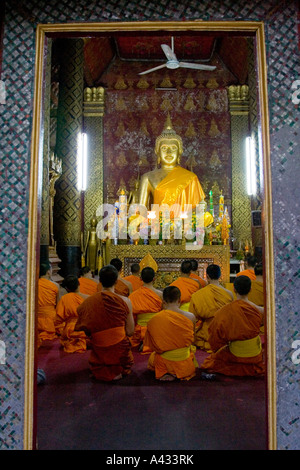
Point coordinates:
[(93, 86)]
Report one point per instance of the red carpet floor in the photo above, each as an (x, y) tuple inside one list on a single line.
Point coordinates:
[(140, 413)]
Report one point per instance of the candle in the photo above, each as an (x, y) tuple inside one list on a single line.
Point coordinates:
[(221, 207), (211, 203)]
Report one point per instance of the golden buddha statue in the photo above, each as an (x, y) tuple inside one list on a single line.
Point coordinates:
[(170, 183)]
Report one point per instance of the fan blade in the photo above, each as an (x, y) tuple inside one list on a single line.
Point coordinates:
[(152, 70), (189, 65), (168, 52)]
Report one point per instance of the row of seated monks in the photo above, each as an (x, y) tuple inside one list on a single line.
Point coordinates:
[(117, 315)]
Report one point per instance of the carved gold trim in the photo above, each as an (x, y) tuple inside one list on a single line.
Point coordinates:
[(164, 254), (268, 230), (32, 248), (44, 30)]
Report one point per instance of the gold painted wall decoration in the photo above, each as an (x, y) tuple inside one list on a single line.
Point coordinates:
[(241, 202)]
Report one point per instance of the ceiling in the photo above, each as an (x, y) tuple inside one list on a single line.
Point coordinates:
[(101, 52)]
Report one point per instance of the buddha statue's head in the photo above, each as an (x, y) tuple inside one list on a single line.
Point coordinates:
[(168, 146)]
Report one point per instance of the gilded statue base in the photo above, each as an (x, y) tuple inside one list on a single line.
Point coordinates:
[(169, 258)]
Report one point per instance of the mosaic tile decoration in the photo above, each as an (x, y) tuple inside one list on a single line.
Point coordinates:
[(15, 132)]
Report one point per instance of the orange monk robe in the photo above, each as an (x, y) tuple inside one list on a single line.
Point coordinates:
[(172, 333), (187, 288), (145, 303), (120, 288), (103, 317), (47, 299), (234, 338), (204, 304), (135, 281), (256, 294), (248, 272), (203, 283), (180, 187), (87, 286), (66, 318)]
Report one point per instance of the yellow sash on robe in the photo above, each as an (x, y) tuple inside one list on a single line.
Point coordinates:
[(181, 187), (180, 354), (143, 318), (246, 348), (185, 306)]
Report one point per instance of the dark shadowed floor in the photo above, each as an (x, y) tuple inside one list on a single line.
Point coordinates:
[(140, 413)]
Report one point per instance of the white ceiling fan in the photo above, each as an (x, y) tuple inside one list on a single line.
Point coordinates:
[(173, 63)]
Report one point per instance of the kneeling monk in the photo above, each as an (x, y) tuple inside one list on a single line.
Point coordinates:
[(67, 316), (107, 318), (48, 296), (146, 302), (170, 334), (234, 336), (186, 284), (206, 302)]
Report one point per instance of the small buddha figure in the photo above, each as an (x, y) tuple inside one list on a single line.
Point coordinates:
[(92, 246), (170, 183)]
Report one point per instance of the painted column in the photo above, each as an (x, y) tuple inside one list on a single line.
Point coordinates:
[(241, 201), (93, 111), (67, 202)]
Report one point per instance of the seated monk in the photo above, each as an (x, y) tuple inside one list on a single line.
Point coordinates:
[(134, 278), (169, 335), (251, 262), (107, 319), (186, 285), (87, 284), (256, 295), (194, 274), (66, 317), (122, 287), (234, 336), (48, 296), (206, 302), (146, 302)]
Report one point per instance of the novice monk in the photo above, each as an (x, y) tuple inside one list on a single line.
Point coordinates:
[(66, 316), (206, 302), (186, 285), (134, 278), (234, 336), (256, 295), (146, 302), (122, 287), (88, 285), (194, 274), (48, 295), (170, 334), (251, 262), (107, 318)]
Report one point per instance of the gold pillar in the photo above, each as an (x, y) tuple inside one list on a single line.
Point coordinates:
[(241, 202)]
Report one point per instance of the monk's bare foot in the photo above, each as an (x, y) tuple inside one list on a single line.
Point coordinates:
[(118, 377), (168, 378)]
